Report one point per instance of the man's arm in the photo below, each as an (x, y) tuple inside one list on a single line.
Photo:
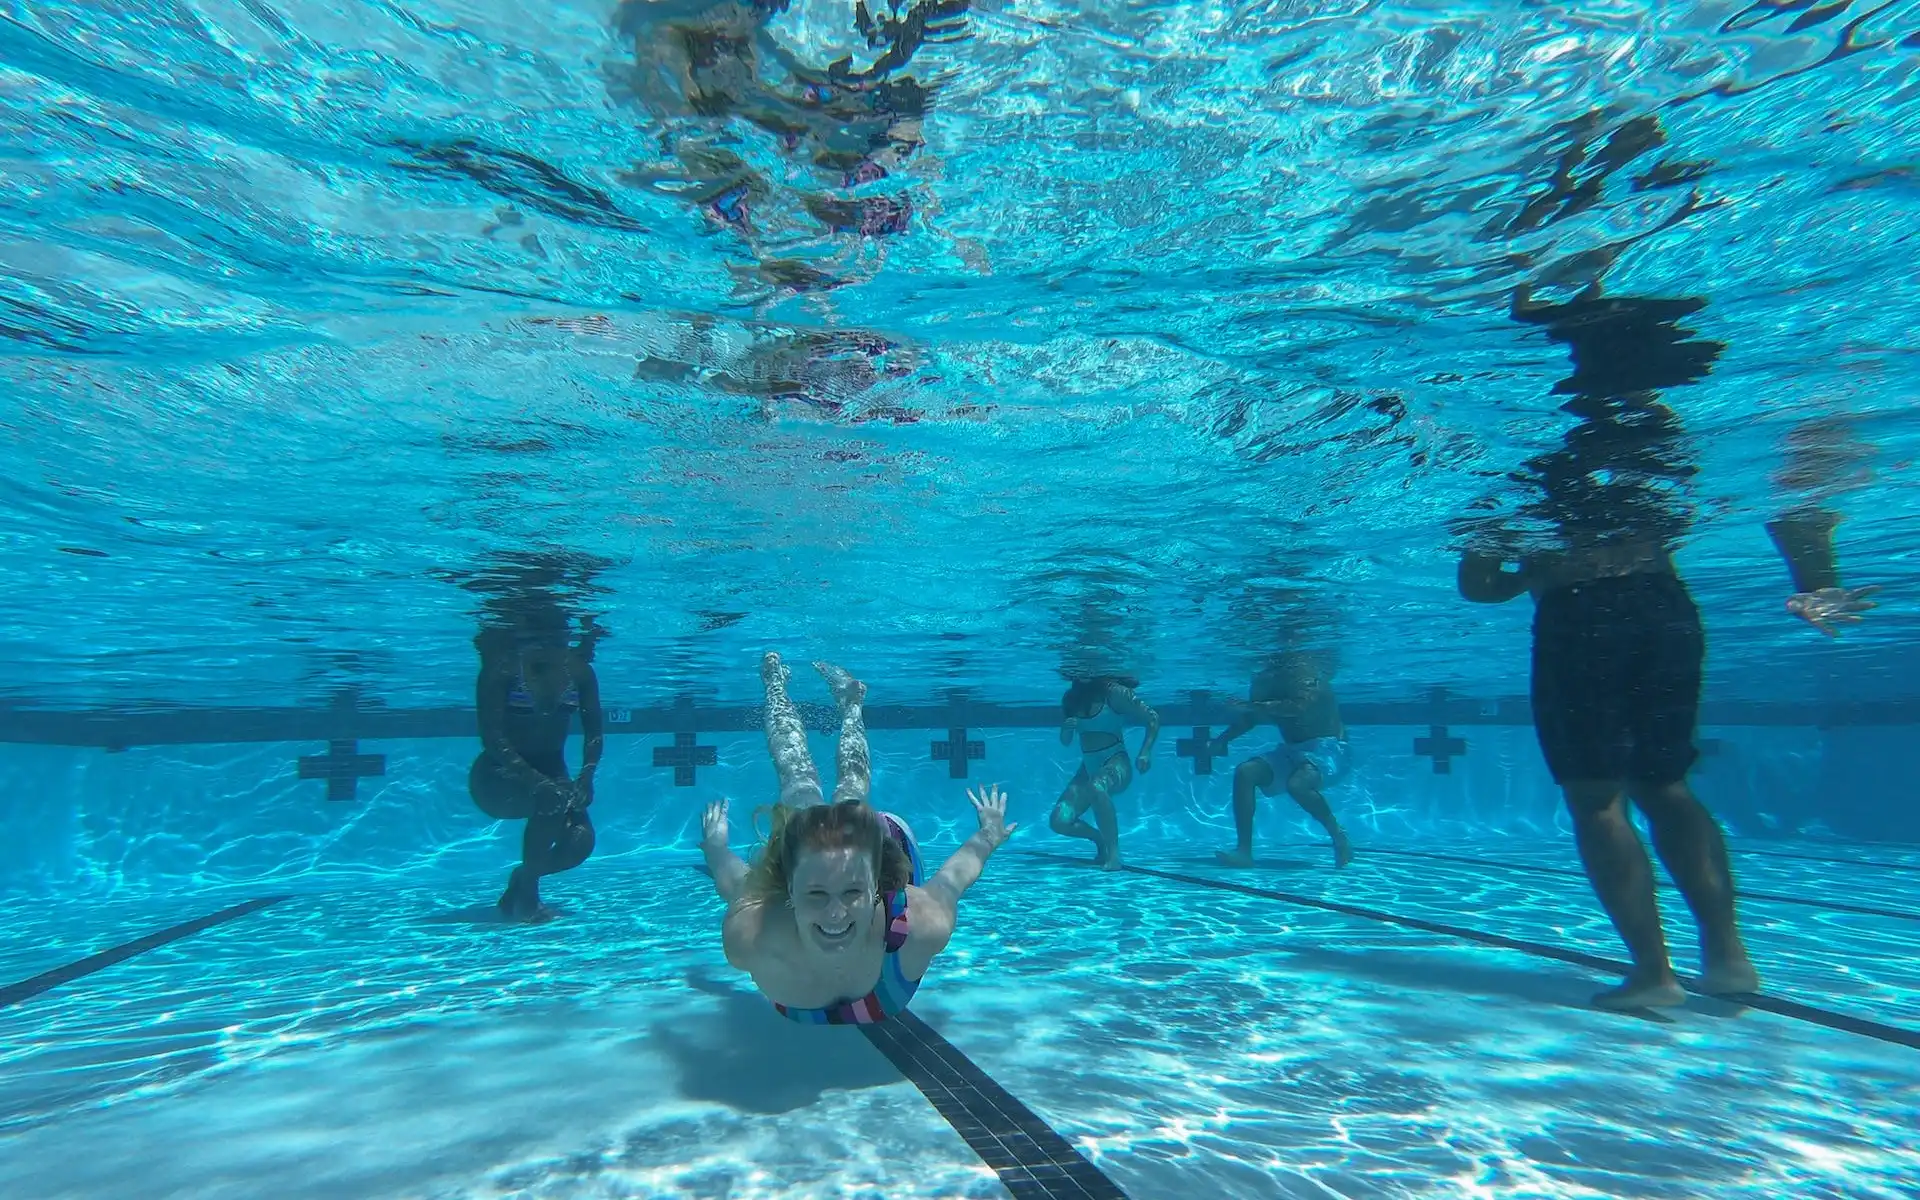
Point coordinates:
[(1804, 538), (1241, 724)]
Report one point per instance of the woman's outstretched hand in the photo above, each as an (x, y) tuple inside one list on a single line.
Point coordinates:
[(990, 806), (713, 825)]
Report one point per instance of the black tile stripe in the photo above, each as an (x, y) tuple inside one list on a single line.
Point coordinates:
[(27, 989), (1744, 894), (1845, 862), (1030, 1157), (1841, 1022)]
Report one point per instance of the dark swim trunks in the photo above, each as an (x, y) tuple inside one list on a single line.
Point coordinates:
[(1616, 679)]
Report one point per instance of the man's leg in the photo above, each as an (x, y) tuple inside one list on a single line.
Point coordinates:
[(1694, 851), (1250, 777), (1665, 713), (1622, 877), (1304, 786)]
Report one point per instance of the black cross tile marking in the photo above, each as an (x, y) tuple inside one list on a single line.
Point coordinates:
[(1199, 747), (343, 767), (686, 756), (1438, 745), (957, 751), (968, 751)]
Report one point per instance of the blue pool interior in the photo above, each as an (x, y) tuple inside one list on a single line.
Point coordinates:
[(380, 1032), (975, 344)]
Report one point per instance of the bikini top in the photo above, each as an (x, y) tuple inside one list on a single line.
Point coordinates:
[(521, 699), (1105, 721)]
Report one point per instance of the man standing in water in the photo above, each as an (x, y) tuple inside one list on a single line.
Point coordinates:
[(1617, 641), (1296, 696)]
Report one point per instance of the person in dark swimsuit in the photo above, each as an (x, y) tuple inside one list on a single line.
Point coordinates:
[(532, 684), (1618, 646), (1100, 709)]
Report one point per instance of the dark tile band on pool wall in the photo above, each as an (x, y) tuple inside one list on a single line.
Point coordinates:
[(1032, 1160), (27, 989), (357, 718), (1841, 1022)]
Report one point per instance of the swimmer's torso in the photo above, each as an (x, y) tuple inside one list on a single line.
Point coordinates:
[(1102, 733), (1304, 711)]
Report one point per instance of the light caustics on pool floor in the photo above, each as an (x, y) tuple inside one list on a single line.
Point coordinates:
[(396, 1041)]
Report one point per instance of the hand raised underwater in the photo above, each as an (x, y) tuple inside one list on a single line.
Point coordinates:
[(713, 824), (1822, 608), (990, 806)]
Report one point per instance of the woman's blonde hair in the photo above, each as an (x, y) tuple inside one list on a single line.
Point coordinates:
[(792, 831)]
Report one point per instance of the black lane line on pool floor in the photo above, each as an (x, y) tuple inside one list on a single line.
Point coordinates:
[(1879, 1031), (27, 989), (1032, 1160), (1845, 862), (1743, 893)]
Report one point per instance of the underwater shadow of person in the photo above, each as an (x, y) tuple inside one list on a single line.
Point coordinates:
[(750, 1058), (1419, 972)]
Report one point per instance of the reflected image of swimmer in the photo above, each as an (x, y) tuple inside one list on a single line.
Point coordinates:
[(1100, 709), (532, 684), (1295, 695), (835, 918)]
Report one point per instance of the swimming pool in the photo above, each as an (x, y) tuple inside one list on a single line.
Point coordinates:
[(978, 347)]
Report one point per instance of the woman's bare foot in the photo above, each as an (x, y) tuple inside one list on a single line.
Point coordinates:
[(1236, 858), (1634, 993), (847, 691), (773, 671), (521, 900), (1342, 849)]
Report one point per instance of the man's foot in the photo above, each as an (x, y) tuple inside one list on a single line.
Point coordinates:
[(1664, 992), (1342, 849), (847, 691), (1236, 858), (773, 671), (1734, 977)]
